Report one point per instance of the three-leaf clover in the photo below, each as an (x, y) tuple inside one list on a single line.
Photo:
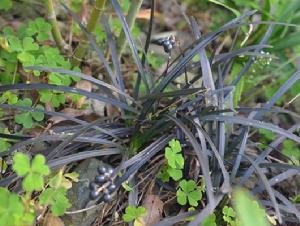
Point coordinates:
[(133, 213), (40, 28), (173, 155), (24, 49), (12, 211), (228, 215), (56, 198), (53, 97), (188, 191), (32, 171), (8, 97), (26, 118)]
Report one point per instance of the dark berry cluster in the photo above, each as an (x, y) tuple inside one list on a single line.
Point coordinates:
[(167, 43), (104, 176)]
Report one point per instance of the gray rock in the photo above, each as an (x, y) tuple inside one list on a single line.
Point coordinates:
[(79, 195)]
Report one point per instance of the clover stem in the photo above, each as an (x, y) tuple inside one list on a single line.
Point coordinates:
[(90, 27), (55, 29), (135, 6)]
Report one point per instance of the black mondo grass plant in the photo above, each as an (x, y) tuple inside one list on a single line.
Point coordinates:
[(215, 137)]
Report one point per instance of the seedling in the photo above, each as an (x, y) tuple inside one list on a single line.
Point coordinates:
[(175, 162), (32, 171), (188, 192), (229, 215), (27, 118), (134, 213)]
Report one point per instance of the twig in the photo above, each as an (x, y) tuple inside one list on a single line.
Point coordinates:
[(130, 18), (90, 27), (55, 29)]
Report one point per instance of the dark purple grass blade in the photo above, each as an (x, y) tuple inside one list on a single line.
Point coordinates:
[(126, 30), (208, 81), (176, 93), (170, 221), (293, 209), (80, 75), (91, 95), (278, 178), (268, 187), (226, 187), (49, 138), (251, 122), (266, 152), (62, 161), (147, 44), (114, 56), (68, 140), (52, 113), (258, 115), (93, 44)]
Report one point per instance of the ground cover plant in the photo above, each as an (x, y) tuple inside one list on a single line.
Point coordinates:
[(109, 117)]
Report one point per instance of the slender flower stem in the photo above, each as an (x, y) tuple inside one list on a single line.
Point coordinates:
[(90, 27), (130, 18), (55, 29)]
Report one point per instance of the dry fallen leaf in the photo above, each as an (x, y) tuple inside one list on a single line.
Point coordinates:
[(51, 220), (154, 207), (84, 85)]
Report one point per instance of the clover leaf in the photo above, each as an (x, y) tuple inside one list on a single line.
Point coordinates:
[(53, 97), (56, 198), (12, 211), (228, 215), (6, 4), (210, 220), (24, 49), (40, 28), (26, 118), (8, 97), (133, 213), (173, 155), (33, 172), (188, 191)]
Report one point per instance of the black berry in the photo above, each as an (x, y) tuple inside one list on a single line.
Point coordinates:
[(94, 195), (93, 186), (100, 179), (106, 197), (109, 171), (111, 188), (101, 170), (166, 43)]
